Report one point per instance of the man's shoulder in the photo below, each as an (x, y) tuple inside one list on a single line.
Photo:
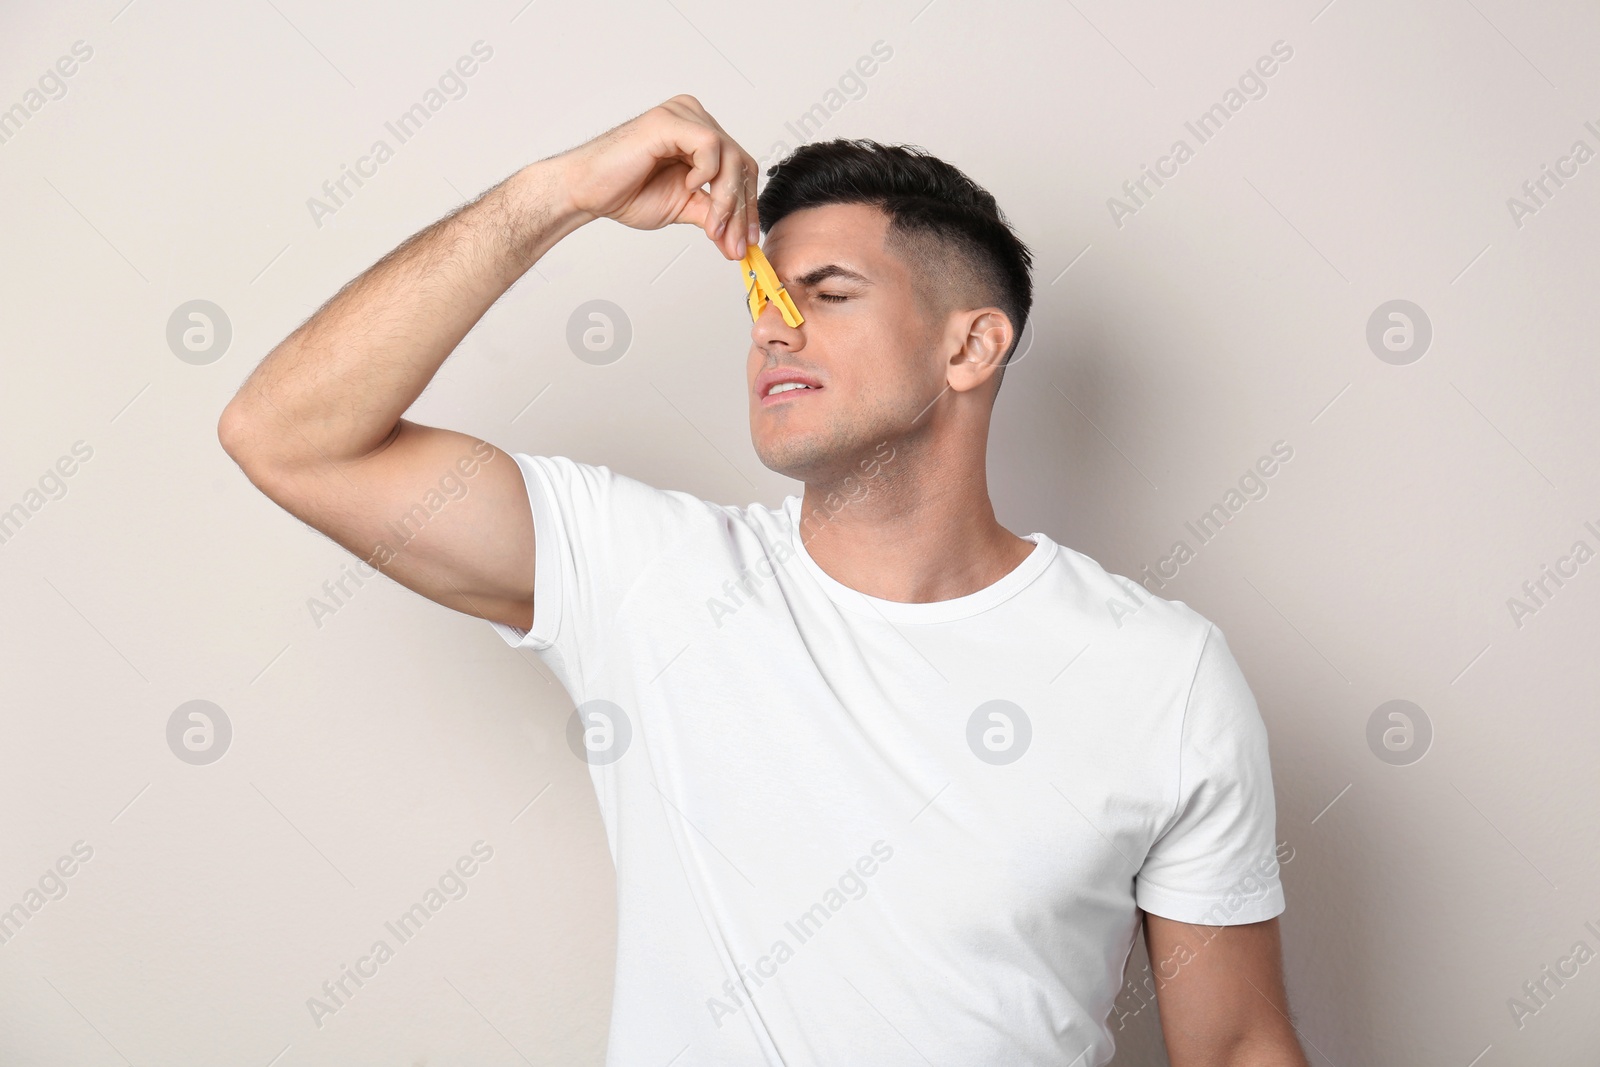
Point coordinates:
[(1119, 605), (650, 511), (614, 486)]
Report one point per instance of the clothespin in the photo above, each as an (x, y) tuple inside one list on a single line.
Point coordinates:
[(762, 285)]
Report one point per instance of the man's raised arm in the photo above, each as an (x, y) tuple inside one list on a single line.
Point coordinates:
[(318, 425)]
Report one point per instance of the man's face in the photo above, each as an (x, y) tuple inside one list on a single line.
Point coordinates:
[(865, 341)]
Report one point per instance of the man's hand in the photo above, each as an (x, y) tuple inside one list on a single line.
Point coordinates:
[(1220, 993), (647, 173)]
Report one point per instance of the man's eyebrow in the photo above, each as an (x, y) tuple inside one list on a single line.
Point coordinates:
[(821, 274)]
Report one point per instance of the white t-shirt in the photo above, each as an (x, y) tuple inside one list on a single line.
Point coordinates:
[(849, 830)]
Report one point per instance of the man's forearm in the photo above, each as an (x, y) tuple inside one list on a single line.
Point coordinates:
[(335, 388)]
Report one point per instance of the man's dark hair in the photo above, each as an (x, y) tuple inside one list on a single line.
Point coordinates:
[(947, 228)]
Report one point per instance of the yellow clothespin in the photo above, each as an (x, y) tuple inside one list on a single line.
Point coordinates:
[(762, 285)]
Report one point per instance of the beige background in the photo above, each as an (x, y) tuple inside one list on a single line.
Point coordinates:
[(372, 747)]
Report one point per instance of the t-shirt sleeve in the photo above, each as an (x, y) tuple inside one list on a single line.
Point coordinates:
[(1216, 861), (595, 531)]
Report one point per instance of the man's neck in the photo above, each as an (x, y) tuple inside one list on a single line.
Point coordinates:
[(908, 536)]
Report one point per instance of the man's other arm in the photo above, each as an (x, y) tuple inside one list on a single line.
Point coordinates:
[(1220, 993)]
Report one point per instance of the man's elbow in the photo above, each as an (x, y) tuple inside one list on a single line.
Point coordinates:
[(239, 434), (230, 430), (249, 442)]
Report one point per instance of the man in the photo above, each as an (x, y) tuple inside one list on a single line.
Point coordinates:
[(884, 782)]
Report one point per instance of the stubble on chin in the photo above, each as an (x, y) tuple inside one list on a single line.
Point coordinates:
[(821, 457)]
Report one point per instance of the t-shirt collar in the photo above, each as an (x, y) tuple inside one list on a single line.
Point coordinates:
[(895, 611)]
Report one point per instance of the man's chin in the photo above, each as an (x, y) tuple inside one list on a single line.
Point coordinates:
[(790, 455), (806, 459)]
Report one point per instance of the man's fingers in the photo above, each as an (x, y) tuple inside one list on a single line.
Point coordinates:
[(702, 149), (729, 202), (702, 210), (752, 208), (738, 224), (685, 136), (746, 214), (744, 221), (727, 212), (725, 189), (733, 192), (697, 210)]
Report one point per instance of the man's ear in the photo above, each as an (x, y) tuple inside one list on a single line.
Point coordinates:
[(979, 340)]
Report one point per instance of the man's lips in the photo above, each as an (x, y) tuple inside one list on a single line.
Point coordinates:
[(788, 394), (774, 377)]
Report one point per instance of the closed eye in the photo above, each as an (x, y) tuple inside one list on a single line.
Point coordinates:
[(832, 297)]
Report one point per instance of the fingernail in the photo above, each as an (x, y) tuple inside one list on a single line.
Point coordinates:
[(755, 233), (722, 224)]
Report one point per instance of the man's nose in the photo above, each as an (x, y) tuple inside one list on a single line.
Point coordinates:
[(770, 327)]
